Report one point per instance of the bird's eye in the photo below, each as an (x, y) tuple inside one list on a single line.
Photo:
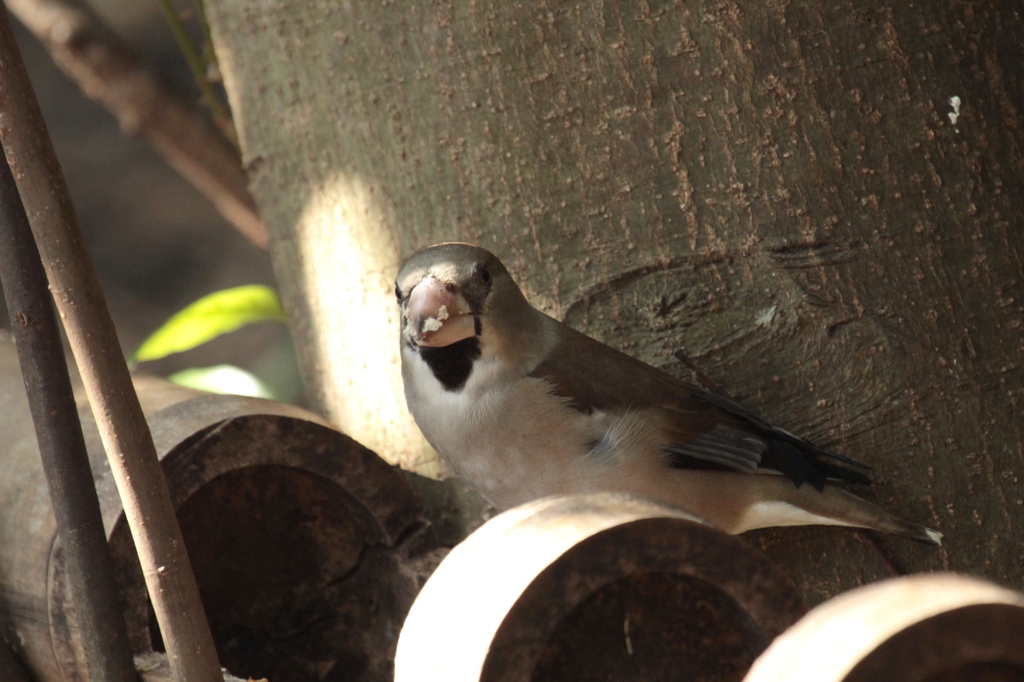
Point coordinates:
[(485, 275), (398, 293)]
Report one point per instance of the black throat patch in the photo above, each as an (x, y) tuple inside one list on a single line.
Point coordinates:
[(452, 364)]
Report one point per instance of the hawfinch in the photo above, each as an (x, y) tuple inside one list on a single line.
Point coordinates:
[(522, 406)]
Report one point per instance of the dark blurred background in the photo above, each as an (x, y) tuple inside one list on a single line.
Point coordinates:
[(156, 242)]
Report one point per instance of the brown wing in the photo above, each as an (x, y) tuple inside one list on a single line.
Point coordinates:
[(702, 430)]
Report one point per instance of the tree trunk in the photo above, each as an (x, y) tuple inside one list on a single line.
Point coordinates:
[(782, 190)]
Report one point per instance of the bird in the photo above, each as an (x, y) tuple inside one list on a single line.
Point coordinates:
[(522, 406)]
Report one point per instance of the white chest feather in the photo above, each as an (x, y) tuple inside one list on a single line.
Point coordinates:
[(512, 440)]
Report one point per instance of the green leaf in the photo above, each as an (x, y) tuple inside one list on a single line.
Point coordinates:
[(224, 379), (209, 317)]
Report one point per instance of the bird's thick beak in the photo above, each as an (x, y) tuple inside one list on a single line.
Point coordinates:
[(438, 315)]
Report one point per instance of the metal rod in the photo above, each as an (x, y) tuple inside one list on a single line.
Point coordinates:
[(61, 444), (90, 330)]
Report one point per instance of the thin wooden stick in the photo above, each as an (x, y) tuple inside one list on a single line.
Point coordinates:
[(76, 507), (194, 61), (90, 330)]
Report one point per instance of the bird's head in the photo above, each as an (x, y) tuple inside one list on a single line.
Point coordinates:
[(446, 292)]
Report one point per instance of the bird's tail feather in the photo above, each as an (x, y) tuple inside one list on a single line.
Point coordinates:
[(854, 510)]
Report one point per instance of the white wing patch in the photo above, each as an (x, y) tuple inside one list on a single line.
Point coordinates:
[(620, 434)]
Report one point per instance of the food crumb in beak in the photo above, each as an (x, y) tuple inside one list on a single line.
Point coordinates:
[(432, 324)]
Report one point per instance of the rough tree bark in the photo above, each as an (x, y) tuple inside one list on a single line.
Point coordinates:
[(776, 188)]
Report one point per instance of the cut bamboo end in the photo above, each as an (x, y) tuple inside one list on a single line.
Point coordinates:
[(596, 586), (931, 628), (304, 544)]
